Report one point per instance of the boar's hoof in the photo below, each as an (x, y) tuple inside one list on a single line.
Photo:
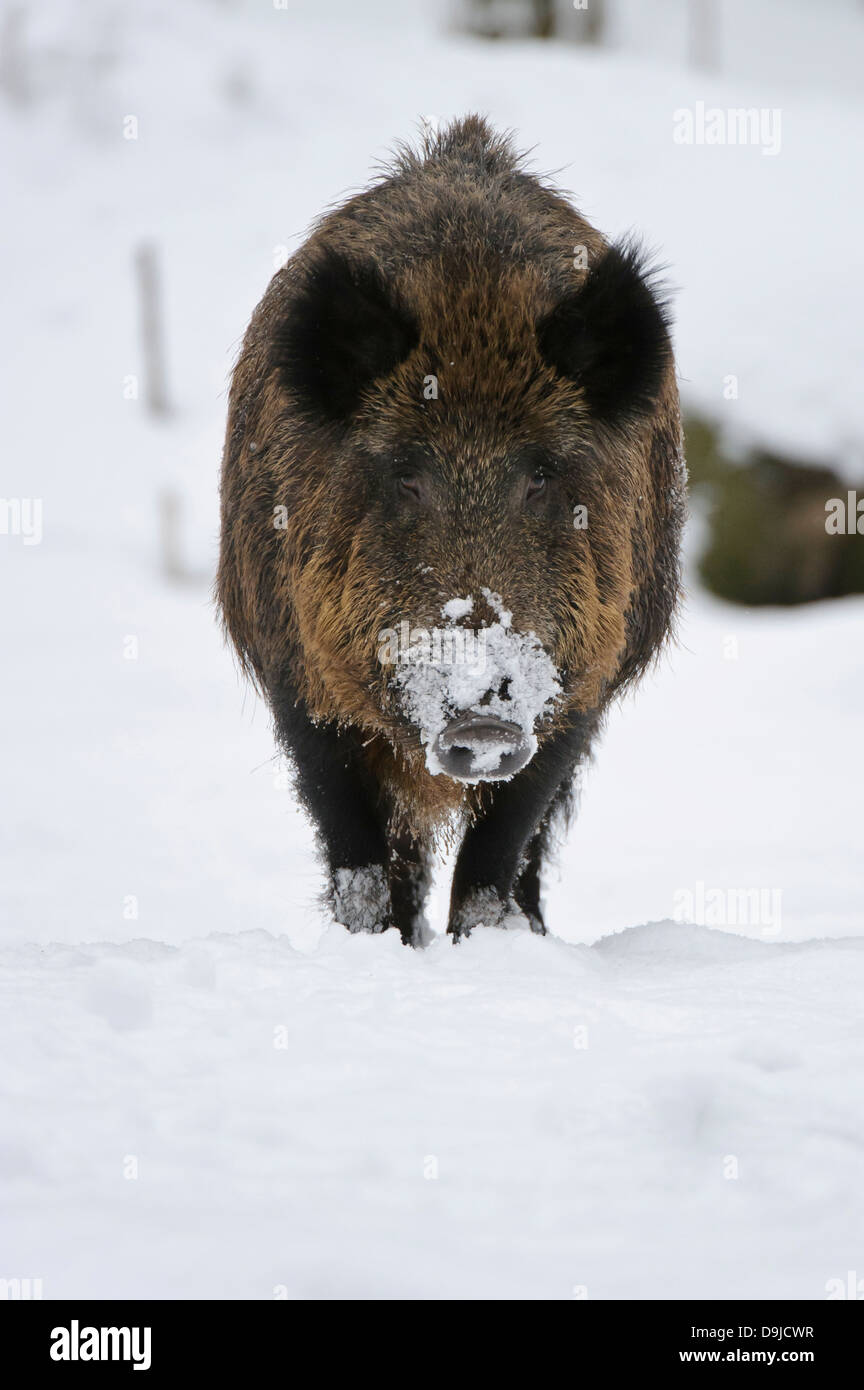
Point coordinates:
[(481, 748), (360, 899), (484, 907)]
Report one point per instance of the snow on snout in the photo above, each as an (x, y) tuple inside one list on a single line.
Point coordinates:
[(493, 670)]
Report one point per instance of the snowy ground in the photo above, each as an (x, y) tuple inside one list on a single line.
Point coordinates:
[(668, 1113), (328, 1115)]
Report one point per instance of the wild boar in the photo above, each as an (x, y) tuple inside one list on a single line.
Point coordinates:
[(452, 496)]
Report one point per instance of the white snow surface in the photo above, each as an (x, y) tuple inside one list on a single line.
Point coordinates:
[(672, 1112), (632, 1107)]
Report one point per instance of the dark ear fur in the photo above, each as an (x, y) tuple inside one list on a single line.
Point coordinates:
[(345, 330), (611, 336)]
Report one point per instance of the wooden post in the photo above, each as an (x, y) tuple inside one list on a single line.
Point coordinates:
[(703, 35), (152, 329)]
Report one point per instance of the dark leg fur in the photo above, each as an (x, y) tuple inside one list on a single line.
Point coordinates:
[(528, 885), (526, 889), (342, 801), (409, 877), (377, 880)]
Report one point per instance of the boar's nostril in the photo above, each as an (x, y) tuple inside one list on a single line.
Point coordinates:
[(481, 748), (502, 693)]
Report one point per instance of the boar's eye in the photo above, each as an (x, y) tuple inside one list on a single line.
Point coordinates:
[(412, 486), (536, 487)]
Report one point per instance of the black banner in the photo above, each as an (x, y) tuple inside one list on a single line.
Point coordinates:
[(157, 1339)]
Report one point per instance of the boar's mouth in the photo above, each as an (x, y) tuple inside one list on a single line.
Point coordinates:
[(478, 747)]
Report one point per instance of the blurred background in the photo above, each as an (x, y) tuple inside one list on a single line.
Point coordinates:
[(164, 159)]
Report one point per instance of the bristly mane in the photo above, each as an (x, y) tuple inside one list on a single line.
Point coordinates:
[(468, 141)]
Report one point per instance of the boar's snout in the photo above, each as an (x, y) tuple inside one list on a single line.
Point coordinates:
[(479, 747)]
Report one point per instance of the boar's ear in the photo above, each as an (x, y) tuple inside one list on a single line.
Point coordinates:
[(345, 330), (611, 336)]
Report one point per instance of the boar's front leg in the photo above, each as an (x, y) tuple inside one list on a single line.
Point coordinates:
[(410, 877), (343, 801), (528, 884), (377, 879), (498, 868)]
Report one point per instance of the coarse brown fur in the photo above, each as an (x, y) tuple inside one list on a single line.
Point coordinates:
[(476, 258)]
